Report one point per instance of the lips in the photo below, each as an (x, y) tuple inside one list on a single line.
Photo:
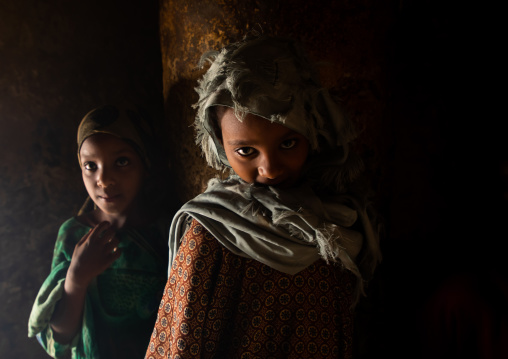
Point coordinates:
[(109, 198)]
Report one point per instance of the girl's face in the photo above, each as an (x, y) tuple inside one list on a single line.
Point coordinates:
[(113, 174), (263, 152)]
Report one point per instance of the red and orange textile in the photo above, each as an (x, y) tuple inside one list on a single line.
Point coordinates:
[(220, 305)]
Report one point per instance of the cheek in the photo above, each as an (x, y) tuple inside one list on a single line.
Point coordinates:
[(237, 166), (87, 179), (139, 183), (299, 160), (245, 170), (135, 181), (233, 160), (89, 186)]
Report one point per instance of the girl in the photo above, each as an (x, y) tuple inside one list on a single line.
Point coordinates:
[(109, 267), (270, 262)]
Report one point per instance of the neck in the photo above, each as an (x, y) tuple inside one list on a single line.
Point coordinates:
[(118, 221)]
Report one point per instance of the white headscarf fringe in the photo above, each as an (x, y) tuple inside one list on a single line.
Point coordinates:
[(335, 244), (327, 238)]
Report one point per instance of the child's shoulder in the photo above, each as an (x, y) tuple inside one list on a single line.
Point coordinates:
[(73, 227), (75, 222), (70, 232)]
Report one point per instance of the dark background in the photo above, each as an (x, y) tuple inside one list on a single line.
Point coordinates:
[(413, 74), (58, 60)]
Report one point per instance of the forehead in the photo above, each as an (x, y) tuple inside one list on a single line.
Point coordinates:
[(101, 143), (250, 126)]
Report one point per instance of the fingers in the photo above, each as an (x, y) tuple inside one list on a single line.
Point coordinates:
[(112, 251), (85, 237), (115, 254), (111, 246), (106, 235), (103, 231), (102, 237)]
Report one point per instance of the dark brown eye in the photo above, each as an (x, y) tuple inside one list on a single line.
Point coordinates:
[(90, 166), (245, 151), (287, 144), (122, 162)]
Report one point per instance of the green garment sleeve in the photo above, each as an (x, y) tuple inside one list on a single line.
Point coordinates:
[(51, 292), (38, 324), (44, 305)]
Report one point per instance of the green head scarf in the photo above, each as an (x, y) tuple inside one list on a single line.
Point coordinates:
[(122, 122)]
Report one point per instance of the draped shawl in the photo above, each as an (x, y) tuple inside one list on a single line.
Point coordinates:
[(286, 229)]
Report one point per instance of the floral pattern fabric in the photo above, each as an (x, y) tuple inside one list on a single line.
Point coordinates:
[(220, 305)]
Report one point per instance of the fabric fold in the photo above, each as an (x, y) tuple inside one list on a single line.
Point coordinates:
[(287, 230)]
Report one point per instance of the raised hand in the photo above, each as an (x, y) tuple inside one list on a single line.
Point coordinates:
[(93, 254)]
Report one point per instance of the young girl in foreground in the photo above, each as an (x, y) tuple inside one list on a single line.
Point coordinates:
[(109, 265), (270, 262)]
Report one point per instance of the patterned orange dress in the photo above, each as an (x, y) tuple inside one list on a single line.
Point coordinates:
[(219, 305)]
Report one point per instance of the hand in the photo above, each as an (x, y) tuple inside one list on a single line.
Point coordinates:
[(93, 254)]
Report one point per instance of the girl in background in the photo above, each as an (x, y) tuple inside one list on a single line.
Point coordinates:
[(110, 262)]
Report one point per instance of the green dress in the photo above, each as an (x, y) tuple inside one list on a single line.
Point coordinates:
[(121, 303)]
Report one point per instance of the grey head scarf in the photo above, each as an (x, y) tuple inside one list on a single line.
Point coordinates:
[(285, 229), (272, 78)]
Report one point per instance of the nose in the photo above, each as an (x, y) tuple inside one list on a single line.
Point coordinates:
[(105, 178), (270, 167)]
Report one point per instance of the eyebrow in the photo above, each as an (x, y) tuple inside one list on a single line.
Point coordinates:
[(241, 143), (123, 151)]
